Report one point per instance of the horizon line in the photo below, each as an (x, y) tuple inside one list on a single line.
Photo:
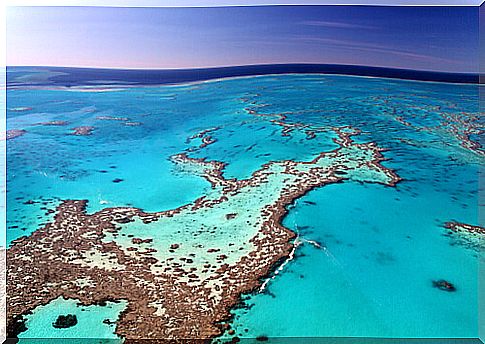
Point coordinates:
[(477, 73), (84, 76)]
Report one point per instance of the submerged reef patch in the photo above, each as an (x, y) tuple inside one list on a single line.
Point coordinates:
[(13, 133), (83, 130), (112, 118), (444, 285), (463, 126), (65, 321), (20, 109), (53, 123), (467, 235), (205, 138)]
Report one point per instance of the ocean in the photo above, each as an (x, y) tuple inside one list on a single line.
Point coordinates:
[(368, 254)]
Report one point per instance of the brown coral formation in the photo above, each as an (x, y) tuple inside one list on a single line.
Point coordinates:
[(83, 130), (53, 123), (20, 109), (172, 298), (461, 125), (458, 227), (112, 118), (281, 119), (466, 235), (205, 138), (13, 133)]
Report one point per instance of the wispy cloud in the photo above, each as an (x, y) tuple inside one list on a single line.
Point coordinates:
[(338, 25), (371, 47)]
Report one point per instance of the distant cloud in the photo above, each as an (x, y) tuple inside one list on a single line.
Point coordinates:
[(338, 25), (371, 47)]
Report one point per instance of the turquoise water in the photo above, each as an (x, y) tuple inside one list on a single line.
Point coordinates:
[(383, 246), (92, 322)]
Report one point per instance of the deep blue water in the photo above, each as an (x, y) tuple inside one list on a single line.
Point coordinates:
[(67, 76)]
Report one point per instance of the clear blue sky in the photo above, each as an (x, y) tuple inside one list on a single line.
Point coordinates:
[(427, 38)]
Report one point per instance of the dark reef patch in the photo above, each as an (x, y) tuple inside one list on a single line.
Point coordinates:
[(444, 285), (65, 321)]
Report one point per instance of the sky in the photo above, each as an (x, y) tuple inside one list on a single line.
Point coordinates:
[(423, 38), (207, 3)]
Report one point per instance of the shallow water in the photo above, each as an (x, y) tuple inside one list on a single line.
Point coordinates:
[(382, 246), (93, 322)]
